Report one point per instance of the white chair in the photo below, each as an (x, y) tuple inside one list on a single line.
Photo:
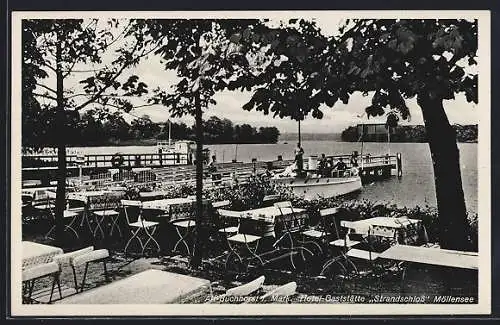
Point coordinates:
[(349, 251), (84, 256), (319, 232), (281, 292), (270, 199), (239, 242), (138, 226), (292, 225), (220, 206), (72, 215), (181, 217), (30, 275), (240, 291)]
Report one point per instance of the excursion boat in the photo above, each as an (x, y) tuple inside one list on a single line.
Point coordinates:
[(313, 186)]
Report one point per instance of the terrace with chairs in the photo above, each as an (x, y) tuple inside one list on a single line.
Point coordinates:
[(123, 249)]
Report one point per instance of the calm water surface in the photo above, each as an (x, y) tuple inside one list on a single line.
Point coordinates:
[(415, 188)]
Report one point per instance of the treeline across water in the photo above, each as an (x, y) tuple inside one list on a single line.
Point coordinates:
[(409, 133), (95, 128)]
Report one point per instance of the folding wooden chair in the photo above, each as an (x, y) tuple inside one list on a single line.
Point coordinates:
[(182, 218), (270, 199), (70, 215), (349, 248), (319, 232), (242, 245), (291, 225), (243, 290), (281, 293), (81, 257), (30, 275), (139, 227)]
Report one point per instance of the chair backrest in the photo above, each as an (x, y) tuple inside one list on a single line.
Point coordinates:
[(247, 288), (328, 211), (220, 204), (270, 199), (285, 290), (229, 213), (132, 210), (324, 213), (182, 211), (362, 229), (65, 258), (283, 204), (41, 197), (106, 201)]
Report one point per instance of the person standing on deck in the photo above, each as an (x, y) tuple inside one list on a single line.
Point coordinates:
[(211, 165), (322, 165), (299, 160)]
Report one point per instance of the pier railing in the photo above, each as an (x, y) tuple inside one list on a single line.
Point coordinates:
[(186, 173), (110, 160)]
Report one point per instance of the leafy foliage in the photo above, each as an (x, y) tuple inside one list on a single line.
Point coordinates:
[(82, 43), (410, 133)]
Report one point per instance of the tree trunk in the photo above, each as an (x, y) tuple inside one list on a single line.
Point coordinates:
[(61, 151), (453, 225), (197, 251)]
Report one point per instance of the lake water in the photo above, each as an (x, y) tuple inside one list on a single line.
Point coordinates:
[(416, 187)]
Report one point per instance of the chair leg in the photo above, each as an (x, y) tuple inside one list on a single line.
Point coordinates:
[(84, 276), (59, 285), (47, 235), (182, 240), (31, 285), (150, 238), (70, 227), (105, 270), (134, 235), (74, 278), (114, 224), (52, 288), (98, 226)]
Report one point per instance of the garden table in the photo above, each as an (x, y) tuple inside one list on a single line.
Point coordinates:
[(403, 230), (83, 196), (164, 204), (147, 287), (271, 222), (153, 194), (35, 253), (103, 201), (431, 256)]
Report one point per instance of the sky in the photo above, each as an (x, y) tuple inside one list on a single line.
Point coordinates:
[(229, 103)]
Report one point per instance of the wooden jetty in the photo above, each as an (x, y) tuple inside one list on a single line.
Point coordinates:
[(174, 167)]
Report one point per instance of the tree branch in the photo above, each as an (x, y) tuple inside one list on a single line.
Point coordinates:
[(49, 66), (110, 82), (46, 87), (45, 96)]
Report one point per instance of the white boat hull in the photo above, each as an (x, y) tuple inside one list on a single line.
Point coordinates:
[(314, 188)]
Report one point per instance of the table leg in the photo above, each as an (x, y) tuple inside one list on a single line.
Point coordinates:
[(134, 235), (99, 220), (182, 239), (114, 224), (150, 237), (70, 226)]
